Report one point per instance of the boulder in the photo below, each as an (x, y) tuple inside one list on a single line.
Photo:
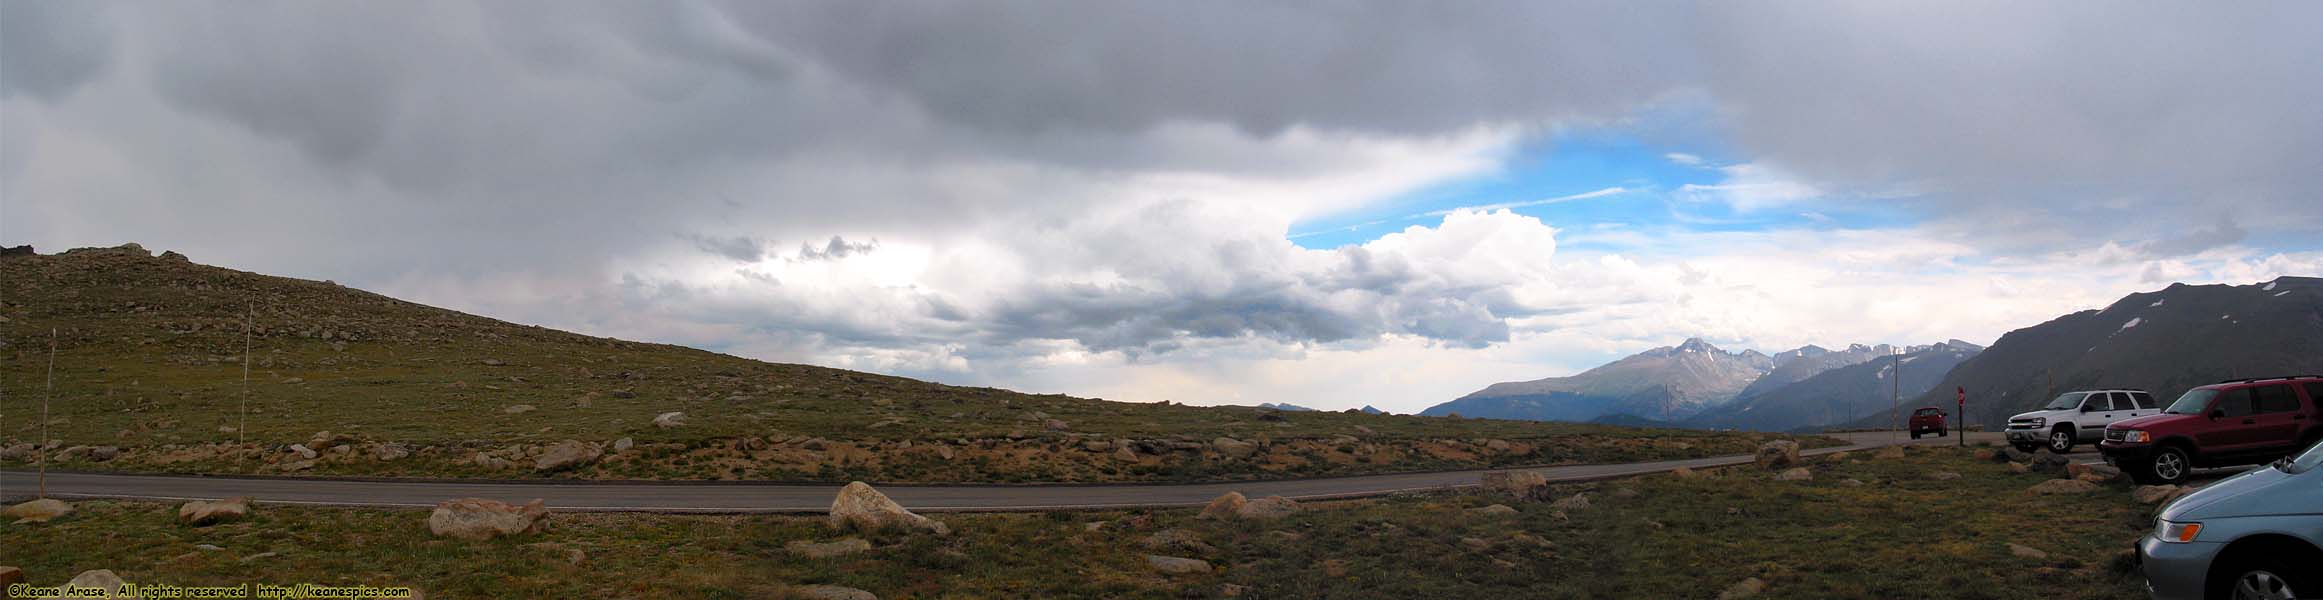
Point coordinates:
[(1057, 425), (1685, 473), (623, 444), (1171, 565), (1570, 503), (2062, 486), (1123, 454), (2092, 473), (830, 592), (389, 451), (10, 575), (1225, 506), (302, 451), (862, 508), (1743, 589), (478, 519), (2050, 462), (1233, 448), (102, 579), (2027, 552), (2154, 494), (1796, 474), (2011, 454), (2017, 467), (1778, 453), (565, 455), (819, 550), (1985, 454), (198, 513), (1496, 510), (38, 511), (1522, 485), (669, 420)]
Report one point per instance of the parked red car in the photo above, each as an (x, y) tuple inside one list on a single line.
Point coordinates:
[(1929, 419), (2235, 422)]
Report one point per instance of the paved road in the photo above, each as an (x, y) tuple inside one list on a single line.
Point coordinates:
[(682, 497)]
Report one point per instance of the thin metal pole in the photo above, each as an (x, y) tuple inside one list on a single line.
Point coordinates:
[(1895, 398), (44, 401)]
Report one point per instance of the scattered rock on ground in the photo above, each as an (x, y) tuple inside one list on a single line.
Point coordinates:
[(860, 507), (1176, 566), (2153, 494), (1778, 453), (1573, 502), (479, 519), (2017, 467), (1796, 474), (1743, 589), (565, 455), (830, 592), (670, 419), (1233, 448), (1496, 510), (38, 511), (302, 451), (1523, 485), (623, 444), (103, 579), (200, 512), (10, 575), (1173, 540), (1225, 506), (2092, 473), (1685, 473), (2027, 552)]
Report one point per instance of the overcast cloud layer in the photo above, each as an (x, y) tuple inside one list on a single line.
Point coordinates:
[(1094, 197)]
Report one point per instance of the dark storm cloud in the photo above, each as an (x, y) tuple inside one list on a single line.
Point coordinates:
[(369, 140), (49, 48)]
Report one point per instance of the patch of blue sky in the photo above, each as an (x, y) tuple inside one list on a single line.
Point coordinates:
[(1600, 179)]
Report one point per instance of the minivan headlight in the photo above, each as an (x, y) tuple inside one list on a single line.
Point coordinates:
[(2176, 533)]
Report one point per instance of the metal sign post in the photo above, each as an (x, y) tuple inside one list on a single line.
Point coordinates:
[(1961, 394)]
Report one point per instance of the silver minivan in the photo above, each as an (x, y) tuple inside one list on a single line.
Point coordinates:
[(2257, 535)]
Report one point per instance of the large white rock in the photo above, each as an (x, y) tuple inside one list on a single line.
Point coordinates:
[(38, 511), (102, 579), (201, 512), (480, 519), (670, 419), (1778, 453), (565, 455), (860, 507)]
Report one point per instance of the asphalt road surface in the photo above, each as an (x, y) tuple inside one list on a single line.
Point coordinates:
[(701, 497)]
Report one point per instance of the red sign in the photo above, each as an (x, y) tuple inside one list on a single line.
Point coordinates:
[(1962, 394)]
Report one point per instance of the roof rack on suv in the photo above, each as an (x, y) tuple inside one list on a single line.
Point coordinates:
[(2286, 377)]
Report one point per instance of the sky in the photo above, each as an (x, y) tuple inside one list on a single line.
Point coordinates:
[(1328, 204)]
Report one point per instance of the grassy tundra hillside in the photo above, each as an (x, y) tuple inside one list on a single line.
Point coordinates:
[(1863, 527), (346, 382)]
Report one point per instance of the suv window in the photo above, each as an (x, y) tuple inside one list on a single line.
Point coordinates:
[(2144, 400), (2099, 402), (2237, 403), (2276, 399), (2121, 401)]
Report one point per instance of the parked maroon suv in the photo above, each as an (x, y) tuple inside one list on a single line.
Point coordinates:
[(2238, 422), (1928, 420)]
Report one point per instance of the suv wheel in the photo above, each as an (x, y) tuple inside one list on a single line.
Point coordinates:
[(2061, 440), (2169, 465)]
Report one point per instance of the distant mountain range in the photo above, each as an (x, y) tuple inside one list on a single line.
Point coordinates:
[(2163, 342), (1285, 407), (1836, 395), (1696, 384), (1666, 383)]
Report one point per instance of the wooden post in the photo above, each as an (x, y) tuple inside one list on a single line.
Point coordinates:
[(44, 401)]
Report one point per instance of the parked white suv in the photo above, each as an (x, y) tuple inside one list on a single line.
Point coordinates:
[(2077, 417)]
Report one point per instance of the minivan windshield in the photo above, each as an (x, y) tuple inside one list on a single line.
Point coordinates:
[(2192, 403), (2070, 400)]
